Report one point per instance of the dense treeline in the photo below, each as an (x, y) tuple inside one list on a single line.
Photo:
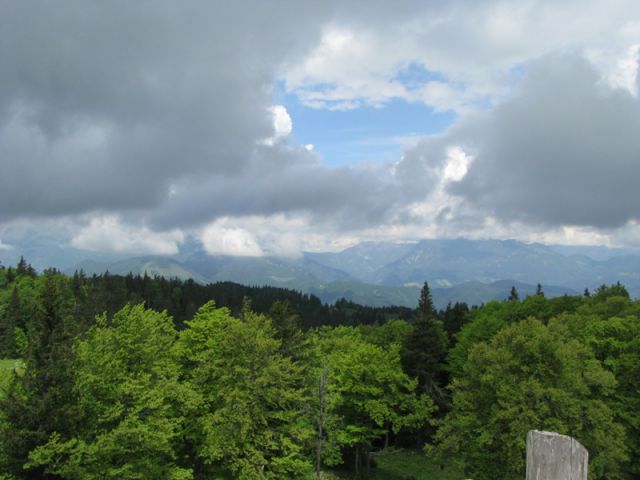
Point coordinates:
[(106, 293), (136, 377)]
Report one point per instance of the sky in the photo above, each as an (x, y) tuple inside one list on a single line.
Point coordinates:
[(272, 128)]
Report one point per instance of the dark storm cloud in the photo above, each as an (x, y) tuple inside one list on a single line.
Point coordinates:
[(103, 104), (107, 106), (283, 179), (564, 150), (157, 109)]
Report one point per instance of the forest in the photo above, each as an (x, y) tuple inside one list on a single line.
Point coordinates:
[(133, 377)]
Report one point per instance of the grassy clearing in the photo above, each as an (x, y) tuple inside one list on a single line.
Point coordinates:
[(407, 465)]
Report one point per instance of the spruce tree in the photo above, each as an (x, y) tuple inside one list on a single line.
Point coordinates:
[(425, 348), (11, 319), (40, 400), (513, 295)]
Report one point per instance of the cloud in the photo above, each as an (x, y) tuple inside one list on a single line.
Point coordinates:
[(288, 179), (150, 118), (108, 234), (5, 247), (276, 235), (466, 50), (105, 106), (563, 151), (281, 121), (219, 240)]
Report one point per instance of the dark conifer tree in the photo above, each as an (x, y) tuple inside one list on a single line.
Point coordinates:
[(11, 320), (40, 401), (453, 318), (21, 267), (286, 323), (424, 350), (513, 295)]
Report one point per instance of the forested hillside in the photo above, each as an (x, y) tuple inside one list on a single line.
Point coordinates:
[(130, 377)]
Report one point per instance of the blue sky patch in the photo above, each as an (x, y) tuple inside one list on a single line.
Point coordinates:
[(372, 134)]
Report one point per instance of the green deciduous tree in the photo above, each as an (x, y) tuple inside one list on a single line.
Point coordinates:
[(132, 404), (252, 416), (531, 376), (368, 395)]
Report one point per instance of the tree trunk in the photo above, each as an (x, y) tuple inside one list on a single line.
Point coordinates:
[(386, 437), (322, 387)]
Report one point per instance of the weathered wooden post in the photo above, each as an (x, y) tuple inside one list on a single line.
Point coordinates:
[(551, 456)]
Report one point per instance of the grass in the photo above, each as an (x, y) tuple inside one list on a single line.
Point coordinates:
[(407, 465)]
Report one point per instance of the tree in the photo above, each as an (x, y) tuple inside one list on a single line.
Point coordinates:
[(539, 291), (131, 401), (10, 320), (604, 292), (530, 376), (513, 295), (453, 319), (367, 396), (251, 418), (40, 401), (286, 323), (425, 348), (615, 341)]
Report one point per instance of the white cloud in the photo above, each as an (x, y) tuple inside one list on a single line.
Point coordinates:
[(107, 234), (220, 240), (277, 235), (625, 74), (457, 164), (470, 47), (282, 123)]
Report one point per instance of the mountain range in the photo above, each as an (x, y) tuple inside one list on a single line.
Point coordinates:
[(381, 273)]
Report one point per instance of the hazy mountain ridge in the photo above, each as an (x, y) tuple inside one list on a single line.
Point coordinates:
[(385, 273)]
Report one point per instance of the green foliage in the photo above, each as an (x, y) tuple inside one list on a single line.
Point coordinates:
[(485, 323), (124, 395), (454, 318), (368, 394), (131, 402), (616, 343), (425, 348), (488, 320), (40, 401), (531, 376), (604, 292), (251, 414), (287, 326), (8, 369), (10, 320), (391, 332)]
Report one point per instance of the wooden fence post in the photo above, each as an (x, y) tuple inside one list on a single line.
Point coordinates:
[(551, 456)]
